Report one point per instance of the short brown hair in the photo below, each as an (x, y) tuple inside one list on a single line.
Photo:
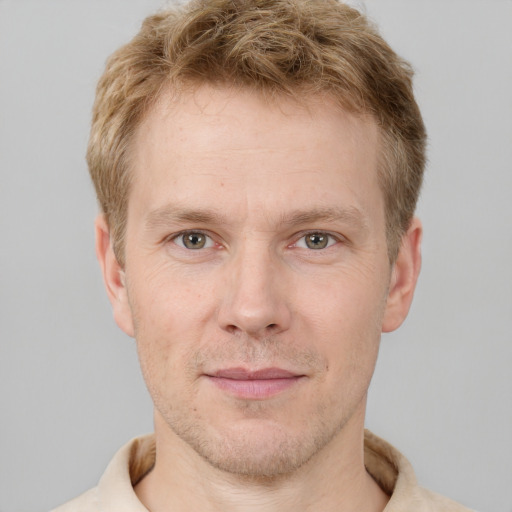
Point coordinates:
[(276, 47)]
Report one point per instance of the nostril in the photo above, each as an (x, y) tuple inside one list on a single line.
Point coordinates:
[(232, 329)]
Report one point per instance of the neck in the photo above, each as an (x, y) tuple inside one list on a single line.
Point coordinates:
[(335, 479)]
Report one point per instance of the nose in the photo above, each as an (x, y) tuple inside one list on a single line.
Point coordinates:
[(255, 295)]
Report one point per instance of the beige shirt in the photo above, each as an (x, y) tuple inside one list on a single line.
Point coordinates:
[(389, 468)]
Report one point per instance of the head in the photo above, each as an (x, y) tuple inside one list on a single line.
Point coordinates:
[(257, 163), (277, 48)]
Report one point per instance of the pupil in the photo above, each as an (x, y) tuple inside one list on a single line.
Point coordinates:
[(316, 241), (194, 241)]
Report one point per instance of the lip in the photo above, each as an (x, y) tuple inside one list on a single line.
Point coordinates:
[(254, 384)]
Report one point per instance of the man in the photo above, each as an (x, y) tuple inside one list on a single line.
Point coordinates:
[(257, 165)]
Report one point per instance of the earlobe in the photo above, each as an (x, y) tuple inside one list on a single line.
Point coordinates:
[(405, 274), (113, 277)]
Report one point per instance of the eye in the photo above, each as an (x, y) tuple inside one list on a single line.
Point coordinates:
[(193, 240), (316, 240)]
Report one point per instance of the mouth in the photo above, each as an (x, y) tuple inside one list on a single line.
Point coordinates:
[(254, 385)]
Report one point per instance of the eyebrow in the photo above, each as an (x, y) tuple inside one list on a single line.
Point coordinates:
[(348, 215), (166, 215), (172, 214)]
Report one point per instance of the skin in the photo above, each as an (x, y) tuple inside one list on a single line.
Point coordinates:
[(252, 179)]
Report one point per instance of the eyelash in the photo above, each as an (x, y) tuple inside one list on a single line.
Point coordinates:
[(180, 235), (332, 239)]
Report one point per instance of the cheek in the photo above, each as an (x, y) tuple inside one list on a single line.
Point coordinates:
[(345, 320), (346, 303), (169, 314), (166, 296)]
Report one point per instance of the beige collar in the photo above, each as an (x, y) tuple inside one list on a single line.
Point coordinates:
[(389, 468)]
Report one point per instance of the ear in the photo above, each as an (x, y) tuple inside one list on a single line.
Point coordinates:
[(113, 277), (404, 276)]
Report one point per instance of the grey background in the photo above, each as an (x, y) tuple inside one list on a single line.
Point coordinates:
[(70, 388)]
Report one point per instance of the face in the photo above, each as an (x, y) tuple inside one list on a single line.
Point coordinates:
[(257, 281)]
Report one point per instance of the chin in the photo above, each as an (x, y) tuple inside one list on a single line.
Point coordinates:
[(253, 455), (256, 450)]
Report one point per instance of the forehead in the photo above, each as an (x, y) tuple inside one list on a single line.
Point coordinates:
[(207, 114), (233, 145)]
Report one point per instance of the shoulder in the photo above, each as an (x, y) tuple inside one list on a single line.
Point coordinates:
[(395, 475), (436, 502), (115, 488), (86, 502)]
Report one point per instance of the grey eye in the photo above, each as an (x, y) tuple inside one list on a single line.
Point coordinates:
[(193, 240), (317, 240)]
